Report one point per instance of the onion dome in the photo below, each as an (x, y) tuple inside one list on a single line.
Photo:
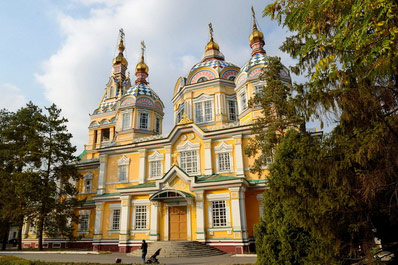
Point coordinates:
[(141, 70), (256, 38), (119, 59), (212, 50)]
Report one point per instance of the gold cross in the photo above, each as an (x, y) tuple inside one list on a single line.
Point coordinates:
[(211, 30)]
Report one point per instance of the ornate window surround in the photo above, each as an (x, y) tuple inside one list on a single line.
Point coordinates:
[(156, 157), (219, 197), (88, 177), (113, 207), (224, 148), (124, 127), (84, 212), (139, 119), (202, 99), (189, 146), (140, 202), (123, 161)]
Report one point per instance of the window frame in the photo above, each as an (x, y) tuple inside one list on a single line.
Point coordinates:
[(140, 120), (134, 204), (194, 149), (155, 157), (84, 213), (225, 197), (235, 114), (204, 111), (126, 122), (123, 163), (224, 148)]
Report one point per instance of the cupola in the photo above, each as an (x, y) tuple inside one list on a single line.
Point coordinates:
[(141, 70), (119, 63), (256, 38)]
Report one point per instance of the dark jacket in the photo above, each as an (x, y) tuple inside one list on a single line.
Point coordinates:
[(144, 247)]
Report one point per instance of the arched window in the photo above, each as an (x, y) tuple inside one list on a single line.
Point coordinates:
[(232, 78), (202, 79)]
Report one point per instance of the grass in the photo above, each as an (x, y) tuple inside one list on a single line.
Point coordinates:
[(13, 260)]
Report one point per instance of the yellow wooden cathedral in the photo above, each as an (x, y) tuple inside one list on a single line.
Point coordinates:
[(193, 184)]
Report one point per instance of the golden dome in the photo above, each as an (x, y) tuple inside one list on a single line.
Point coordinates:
[(212, 45), (120, 59), (256, 35), (141, 67)]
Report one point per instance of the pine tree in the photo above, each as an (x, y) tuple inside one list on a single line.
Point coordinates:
[(20, 156), (56, 199), (348, 50)]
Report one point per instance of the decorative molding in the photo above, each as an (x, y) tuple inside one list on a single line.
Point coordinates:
[(223, 147), (188, 145), (88, 175), (156, 157), (124, 161), (218, 196)]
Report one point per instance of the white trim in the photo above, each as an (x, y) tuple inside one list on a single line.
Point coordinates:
[(123, 162), (84, 212), (88, 175), (139, 119), (188, 146), (218, 196), (156, 156)]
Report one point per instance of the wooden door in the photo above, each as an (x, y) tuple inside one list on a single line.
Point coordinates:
[(178, 223)]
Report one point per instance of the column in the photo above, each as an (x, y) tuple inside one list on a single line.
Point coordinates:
[(239, 156), (111, 133), (102, 174), (154, 233), (142, 165), (99, 138), (99, 209), (168, 158), (124, 223), (208, 159), (238, 212), (200, 216)]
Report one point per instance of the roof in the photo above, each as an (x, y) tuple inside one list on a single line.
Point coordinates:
[(213, 178), (257, 59), (142, 185), (107, 194), (215, 64), (142, 89)]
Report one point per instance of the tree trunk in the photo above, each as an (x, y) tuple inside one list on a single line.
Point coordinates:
[(5, 236), (20, 235), (41, 228)]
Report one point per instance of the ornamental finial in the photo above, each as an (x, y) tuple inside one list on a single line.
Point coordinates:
[(254, 19), (142, 50), (211, 31)]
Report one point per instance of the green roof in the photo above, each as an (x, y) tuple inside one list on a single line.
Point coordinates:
[(107, 194), (213, 178), (142, 185), (82, 154), (88, 202), (257, 181)]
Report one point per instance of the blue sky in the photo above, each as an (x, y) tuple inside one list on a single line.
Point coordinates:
[(61, 51)]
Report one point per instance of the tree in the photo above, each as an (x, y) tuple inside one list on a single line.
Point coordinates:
[(348, 50), (20, 156), (56, 198)]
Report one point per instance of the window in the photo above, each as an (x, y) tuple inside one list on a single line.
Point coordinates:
[(202, 79), (203, 111), (140, 217), (87, 186), (156, 168), (126, 122), (116, 219), (84, 223), (188, 161), (243, 101), (143, 120), (105, 135), (258, 90), (157, 125), (122, 173), (232, 110), (224, 162), (219, 213)]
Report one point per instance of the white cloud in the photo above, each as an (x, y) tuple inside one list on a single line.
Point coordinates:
[(175, 33), (11, 97)]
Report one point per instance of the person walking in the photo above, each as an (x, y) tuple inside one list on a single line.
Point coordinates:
[(144, 247)]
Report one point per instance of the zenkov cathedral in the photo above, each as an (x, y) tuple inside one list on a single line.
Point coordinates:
[(194, 184)]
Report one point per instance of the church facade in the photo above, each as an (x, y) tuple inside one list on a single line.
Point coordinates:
[(193, 184)]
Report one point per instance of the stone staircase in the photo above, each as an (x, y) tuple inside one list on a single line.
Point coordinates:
[(178, 249)]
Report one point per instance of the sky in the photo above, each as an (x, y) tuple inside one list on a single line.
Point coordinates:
[(61, 51)]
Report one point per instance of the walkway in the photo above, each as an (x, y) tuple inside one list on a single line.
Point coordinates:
[(110, 258)]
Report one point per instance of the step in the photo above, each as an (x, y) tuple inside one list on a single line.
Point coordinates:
[(179, 249)]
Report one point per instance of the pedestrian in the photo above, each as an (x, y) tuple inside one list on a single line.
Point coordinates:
[(144, 247)]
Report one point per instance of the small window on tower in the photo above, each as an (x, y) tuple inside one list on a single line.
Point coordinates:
[(202, 79), (105, 135)]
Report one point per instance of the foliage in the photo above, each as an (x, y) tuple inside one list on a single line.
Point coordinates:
[(37, 165), (279, 114), (349, 192)]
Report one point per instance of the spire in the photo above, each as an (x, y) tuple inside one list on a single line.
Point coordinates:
[(119, 63), (119, 59), (141, 70), (256, 38), (212, 50)]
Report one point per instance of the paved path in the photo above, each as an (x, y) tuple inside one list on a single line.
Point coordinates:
[(110, 258)]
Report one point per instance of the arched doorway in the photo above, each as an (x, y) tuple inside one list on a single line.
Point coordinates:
[(178, 213)]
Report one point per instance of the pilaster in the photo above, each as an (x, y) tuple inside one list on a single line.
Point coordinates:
[(142, 165), (200, 216), (239, 156), (102, 174), (208, 160), (154, 233), (99, 209), (238, 212), (124, 223), (168, 158)]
